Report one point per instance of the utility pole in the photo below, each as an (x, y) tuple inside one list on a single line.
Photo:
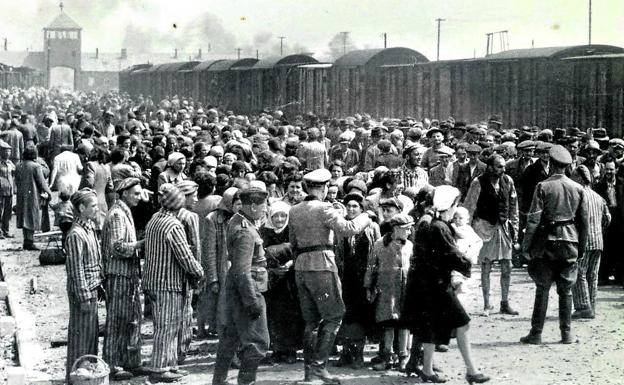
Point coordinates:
[(385, 36), (257, 54), (281, 44), (239, 51), (439, 21), (590, 17), (344, 41)]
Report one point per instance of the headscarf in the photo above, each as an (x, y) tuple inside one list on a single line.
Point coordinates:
[(174, 157), (228, 199), (171, 198), (279, 207)]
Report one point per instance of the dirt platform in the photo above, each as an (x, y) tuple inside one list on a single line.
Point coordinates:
[(597, 357)]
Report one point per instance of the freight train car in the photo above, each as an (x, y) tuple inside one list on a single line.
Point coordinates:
[(272, 83), (549, 87), (223, 83)]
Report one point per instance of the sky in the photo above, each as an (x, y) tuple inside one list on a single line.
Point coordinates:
[(314, 26)]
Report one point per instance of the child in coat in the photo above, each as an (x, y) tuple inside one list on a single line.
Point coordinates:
[(468, 242), (385, 282)]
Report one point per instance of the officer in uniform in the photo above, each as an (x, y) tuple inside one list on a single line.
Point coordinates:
[(312, 224), (246, 323), (555, 237)]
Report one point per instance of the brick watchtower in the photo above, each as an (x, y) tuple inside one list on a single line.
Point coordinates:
[(62, 45)]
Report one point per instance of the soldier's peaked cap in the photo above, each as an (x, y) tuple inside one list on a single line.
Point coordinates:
[(319, 176), (560, 154), (253, 195)]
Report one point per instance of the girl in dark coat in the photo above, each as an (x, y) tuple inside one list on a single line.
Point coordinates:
[(432, 309), (352, 257)]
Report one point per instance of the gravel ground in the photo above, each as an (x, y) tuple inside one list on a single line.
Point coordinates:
[(596, 358)]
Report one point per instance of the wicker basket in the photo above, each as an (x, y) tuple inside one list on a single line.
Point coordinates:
[(78, 380)]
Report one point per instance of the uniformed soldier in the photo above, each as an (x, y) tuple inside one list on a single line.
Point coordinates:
[(312, 223), (555, 236), (246, 323)]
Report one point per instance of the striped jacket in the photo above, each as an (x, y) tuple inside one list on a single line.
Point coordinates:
[(119, 241), (190, 221), (84, 261), (598, 216), (169, 261)]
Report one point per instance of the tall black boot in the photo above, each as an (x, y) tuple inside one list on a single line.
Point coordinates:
[(247, 372), (565, 318)]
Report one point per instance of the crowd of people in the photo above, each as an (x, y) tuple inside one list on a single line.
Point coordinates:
[(275, 233)]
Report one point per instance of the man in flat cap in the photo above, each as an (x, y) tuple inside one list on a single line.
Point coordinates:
[(122, 269), (469, 170), (442, 173), (170, 267), (84, 278), (312, 225), (556, 235), (533, 174), (245, 327)]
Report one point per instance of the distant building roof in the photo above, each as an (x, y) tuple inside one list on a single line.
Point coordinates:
[(380, 56), (555, 52), (13, 58), (63, 21)]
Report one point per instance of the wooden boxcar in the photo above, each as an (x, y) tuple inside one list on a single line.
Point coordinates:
[(222, 83)]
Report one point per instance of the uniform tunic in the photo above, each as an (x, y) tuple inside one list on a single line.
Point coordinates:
[(84, 276), (246, 323)]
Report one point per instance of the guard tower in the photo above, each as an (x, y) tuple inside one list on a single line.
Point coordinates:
[(62, 50)]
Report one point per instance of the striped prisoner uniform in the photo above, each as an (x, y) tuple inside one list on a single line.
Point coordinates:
[(169, 264), (122, 341), (84, 276), (586, 286), (190, 222)]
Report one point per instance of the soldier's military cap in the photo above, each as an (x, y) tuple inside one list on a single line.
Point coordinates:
[(543, 146), (253, 195), (445, 151), (320, 176), (526, 145), (560, 154), (473, 149)]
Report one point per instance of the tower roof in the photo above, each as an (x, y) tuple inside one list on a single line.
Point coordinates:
[(62, 21)]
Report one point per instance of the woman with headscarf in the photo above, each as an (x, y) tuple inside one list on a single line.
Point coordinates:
[(31, 189), (174, 173), (431, 308), (215, 263), (352, 254), (284, 317)]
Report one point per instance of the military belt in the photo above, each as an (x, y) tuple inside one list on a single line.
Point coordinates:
[(309, 249)]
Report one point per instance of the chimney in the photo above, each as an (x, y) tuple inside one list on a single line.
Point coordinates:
[(175, 53), (124, 53), (97, 53), (6, 44), (199, 53)]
